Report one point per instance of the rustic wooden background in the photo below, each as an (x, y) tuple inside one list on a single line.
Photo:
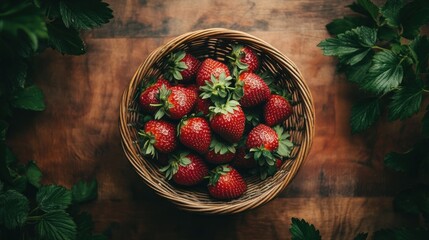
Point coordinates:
[(343, 187)]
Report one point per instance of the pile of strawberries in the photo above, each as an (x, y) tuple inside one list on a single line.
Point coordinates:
[(209, 122)]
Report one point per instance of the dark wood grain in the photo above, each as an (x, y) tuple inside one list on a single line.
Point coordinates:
[(342, 188)]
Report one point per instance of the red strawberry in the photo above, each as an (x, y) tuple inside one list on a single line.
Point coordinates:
[(277, 110), (175, 102), (240, 160), (181, 66), (243, 58), (148, 95), (228, 120), (208, 68), (158, 136), (186, 169), (202, 105), (194, 88), (264, 137), (266, 145), (195, 133), (255, 90), (226, 183), (279, 163), (220, 152)]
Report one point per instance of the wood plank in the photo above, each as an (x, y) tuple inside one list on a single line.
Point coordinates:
[(81, 122), (149, 18), (335, 217), (343, 187)]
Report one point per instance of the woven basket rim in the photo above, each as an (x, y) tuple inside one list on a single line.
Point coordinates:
[(216, 207)]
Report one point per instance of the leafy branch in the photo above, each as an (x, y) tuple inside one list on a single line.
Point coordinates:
[(302, 230), (48, 211), (380, 50), (29, 209)]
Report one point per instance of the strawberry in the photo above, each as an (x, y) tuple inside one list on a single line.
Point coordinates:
[(186, 169), (220, 152), (266, 145), (202, 106), (148, 95), (158, 136), (279, 163), (208, 68), (277, 110), (255, 90), (240, 160), (264, 137), (175, 102), (243, 58), (181, 66), (226, 183), (228, 120), (194, 133), (194, 88)]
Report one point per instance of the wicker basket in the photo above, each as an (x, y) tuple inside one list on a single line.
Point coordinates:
[(215, 43)]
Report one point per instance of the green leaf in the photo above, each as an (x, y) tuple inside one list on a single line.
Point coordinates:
[(14, 208), (390, 12), (366, 7), (23, 18), (53, 197), (358, 72), (33, 173), (56, 225), (425, 123), (401, 162), (16, 72), (352, 46), (406, 101), (84, 225), (4, 126), (364, 114), (386, 33), (341, 25), (65, 40), (414, 162), (301, 230), (412, 16), (361, 236), (414, 200), (401, 234), (385, 74), (29, 98), (420, 48), (84, 191), (85, 14)]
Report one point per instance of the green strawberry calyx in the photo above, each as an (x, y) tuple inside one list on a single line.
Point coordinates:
[(218, 171), (285, 144), (253, 116), (218, 88), (147, 141), (164, 105), (177, 160), (221, 147), (229, 107), (175, 66), (235, 60)]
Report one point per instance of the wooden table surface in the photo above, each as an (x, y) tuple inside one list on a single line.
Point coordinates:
[(343, 187)]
